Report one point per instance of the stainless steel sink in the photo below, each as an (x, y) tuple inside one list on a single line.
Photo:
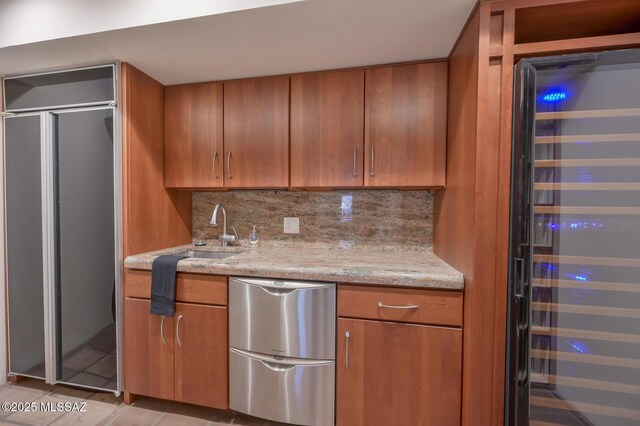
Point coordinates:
[(203, 254)]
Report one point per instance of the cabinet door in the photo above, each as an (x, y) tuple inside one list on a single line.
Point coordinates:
[(193, 136), (405, 125), (256, 133), (148, 358), (327, 116), (397, 374), (201, 354)]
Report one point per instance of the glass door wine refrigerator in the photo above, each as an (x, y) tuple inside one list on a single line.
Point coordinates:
[(573, 350)]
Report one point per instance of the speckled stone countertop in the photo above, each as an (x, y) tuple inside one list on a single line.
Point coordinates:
[(396, 268)]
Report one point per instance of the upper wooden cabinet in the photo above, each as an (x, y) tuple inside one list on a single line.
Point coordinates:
[(405, 125), (193, 136), (327, 116), (256, 133)]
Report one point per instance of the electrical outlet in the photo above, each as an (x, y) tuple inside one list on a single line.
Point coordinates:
[(291, 225)]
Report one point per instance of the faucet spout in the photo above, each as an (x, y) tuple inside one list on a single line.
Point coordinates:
[(224, 238), (214, 218)]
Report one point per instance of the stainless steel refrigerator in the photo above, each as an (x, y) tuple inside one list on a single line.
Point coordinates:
[(62, 221), (573, 352)]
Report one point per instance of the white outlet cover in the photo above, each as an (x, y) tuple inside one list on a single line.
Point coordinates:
[(291, 225)]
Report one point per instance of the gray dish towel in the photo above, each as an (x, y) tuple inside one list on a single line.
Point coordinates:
[(163, 285)]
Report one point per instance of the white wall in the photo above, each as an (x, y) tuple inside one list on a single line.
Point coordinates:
[(31, 21)]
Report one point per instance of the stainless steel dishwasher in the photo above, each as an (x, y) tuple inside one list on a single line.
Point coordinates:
[(282, 349)]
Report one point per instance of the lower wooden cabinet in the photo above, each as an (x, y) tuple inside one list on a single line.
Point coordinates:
[(397, 374), (148, 360), (183, 358), (200, 355)]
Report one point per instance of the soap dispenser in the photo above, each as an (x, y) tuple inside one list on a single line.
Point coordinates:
[(253, 237)]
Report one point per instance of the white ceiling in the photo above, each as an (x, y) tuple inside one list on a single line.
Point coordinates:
[(290, 36)]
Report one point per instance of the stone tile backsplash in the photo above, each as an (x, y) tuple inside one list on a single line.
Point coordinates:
[(363, 218)]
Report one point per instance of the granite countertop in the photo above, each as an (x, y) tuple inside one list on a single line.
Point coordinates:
[(380, 267)]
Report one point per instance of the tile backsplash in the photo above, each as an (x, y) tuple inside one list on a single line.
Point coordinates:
[(363, 218)]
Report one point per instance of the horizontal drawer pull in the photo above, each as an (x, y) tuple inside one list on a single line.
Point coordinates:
[(382, 305), (281, 361)]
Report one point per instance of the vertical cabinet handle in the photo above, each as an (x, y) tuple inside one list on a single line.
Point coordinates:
[(346, 355), (373, 160), (355, 160), (215, 165), (229, 165), (164, 340), (178, 331)]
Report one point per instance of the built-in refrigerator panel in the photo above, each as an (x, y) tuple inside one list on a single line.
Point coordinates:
[(24, 242), (62, 211), (576, 172), (85, 260)]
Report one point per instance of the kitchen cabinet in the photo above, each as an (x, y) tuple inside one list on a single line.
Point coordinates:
[(398, 356), (405, 125), (327, 116), (148, 361), (193, 132), (200, 351), (183, 358), (256, 133), (399, 374)]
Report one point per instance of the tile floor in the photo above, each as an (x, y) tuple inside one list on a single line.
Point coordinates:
[(106, 409)]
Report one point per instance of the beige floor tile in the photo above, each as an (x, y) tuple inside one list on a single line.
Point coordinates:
[(103, 408), (170, 419), (63, 391), (133, 416), (16, 393), (35, 418), (95, 414), (106, 397)]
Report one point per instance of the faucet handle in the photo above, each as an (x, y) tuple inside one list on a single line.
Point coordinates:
[(236, 233)]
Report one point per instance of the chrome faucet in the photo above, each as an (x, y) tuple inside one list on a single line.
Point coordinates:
[(225, 238)]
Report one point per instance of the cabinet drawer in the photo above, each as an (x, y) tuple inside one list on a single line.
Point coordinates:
[(287, 318), (289, 390), (194, 288), (438, 307)]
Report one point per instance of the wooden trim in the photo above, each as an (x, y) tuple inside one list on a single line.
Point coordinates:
[(586, 210), (322, 71), (495, 52), (499, 5), (587, 260), (502, 216), (620, 137), (604, 410), (586, 359), (577, 44), (586, 334), (586, 310), (599, 162), (591, 285), (595, 113), (577, 186)]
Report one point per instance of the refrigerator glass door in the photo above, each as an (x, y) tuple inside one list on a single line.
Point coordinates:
[(85, 284), (584, 300), (23, 208)]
